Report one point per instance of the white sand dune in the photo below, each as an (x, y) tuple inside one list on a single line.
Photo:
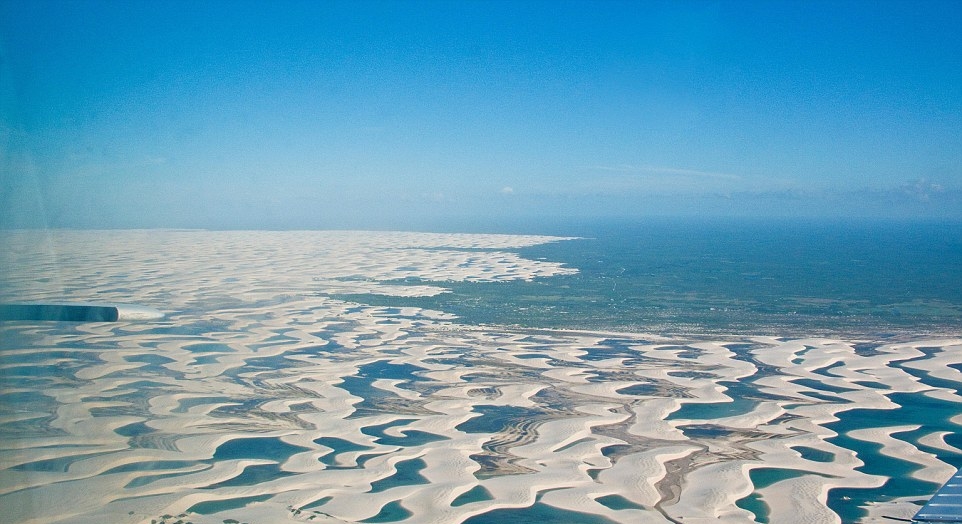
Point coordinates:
[(273, 393)]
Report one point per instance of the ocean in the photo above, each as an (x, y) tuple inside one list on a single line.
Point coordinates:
[(657, 371), (734, 276)]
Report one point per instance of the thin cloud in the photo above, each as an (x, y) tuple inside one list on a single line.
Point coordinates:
[(662, 170)]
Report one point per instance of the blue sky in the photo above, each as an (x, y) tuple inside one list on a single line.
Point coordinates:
[(425, 115)]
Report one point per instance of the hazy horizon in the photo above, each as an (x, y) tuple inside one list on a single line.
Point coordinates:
[(419, 115)]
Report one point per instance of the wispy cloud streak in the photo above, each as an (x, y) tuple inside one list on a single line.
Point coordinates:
[(663, 170)]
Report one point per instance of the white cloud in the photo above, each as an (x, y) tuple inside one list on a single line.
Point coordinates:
[(507, 190), (921, 189)]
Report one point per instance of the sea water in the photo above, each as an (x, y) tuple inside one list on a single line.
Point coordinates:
[(735, 277)]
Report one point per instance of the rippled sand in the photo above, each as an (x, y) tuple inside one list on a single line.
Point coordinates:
[(261, 398)]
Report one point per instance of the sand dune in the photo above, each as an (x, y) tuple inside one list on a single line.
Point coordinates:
[(269, 395)]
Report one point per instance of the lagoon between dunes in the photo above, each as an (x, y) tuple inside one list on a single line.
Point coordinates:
[(346, 376)]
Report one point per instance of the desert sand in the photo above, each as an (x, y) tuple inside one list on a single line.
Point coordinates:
[(268, 394)]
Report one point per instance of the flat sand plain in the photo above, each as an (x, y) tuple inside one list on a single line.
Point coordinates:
[(262, 398)]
